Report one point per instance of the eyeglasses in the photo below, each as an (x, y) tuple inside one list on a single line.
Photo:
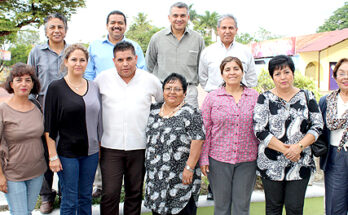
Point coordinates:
[(342, 74), (169, 89)]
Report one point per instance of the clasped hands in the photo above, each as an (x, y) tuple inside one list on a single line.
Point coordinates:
[(292, 152)]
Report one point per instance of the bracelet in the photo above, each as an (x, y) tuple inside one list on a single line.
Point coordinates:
[(53, 158), (301, 146), (189, 168)]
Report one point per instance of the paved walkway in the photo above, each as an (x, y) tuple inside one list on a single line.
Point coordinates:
[(315, 190)]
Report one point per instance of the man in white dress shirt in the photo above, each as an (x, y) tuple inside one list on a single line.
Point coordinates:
[(212, 56), (126, 98)]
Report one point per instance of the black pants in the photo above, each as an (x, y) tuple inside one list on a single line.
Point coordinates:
[(288, 193), (114, 165), (189, 209), (46, 192)]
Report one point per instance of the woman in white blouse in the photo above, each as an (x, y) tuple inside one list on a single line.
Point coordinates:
[(335, 163)]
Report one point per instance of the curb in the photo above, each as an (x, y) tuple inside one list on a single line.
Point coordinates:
[(315, 190)]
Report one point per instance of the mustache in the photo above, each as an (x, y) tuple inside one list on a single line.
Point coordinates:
[(116, 28)]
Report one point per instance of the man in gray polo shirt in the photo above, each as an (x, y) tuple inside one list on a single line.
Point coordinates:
[(177, 49), (47, 59)]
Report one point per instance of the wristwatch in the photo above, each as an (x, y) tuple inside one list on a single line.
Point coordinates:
[(189, 168)]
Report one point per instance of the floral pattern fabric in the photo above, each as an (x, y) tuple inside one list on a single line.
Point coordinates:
[(335, 123), (288, 122), (167, 150)]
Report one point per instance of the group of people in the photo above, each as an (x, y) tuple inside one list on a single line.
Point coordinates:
[(96, 106)]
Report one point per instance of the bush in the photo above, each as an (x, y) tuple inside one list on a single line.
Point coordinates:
[(265, 83)]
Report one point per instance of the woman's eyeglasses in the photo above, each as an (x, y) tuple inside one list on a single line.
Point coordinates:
[(169, 89)]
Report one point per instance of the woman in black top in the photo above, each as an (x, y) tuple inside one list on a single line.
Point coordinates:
[(73, 132)]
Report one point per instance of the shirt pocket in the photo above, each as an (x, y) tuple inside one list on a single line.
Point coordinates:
[(192, 58)]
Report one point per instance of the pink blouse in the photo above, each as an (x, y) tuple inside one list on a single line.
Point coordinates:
[(229, 127)]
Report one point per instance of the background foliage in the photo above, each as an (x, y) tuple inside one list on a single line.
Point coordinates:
[(141, 31), (337, 21), (15, 14), (265, 83)]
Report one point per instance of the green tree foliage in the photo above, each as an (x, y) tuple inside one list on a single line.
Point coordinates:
[(204, 24), (245, 38), (193, 13), (15, 14), (141, 30), (208, 22), (19, 53), (20, 49), (263, 34), (265, 83), (260, 35), (337, 21)]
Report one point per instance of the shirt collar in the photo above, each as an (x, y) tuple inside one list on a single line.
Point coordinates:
[(231, 45), (169, 31), (46, 46), (106, 39), (222, 92)]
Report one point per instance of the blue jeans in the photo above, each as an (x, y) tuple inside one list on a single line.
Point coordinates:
[(22, 195), (76, 181), (336, 182)]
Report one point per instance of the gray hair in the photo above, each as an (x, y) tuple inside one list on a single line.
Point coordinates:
[(226, 16), (179, 5), (58, 16)]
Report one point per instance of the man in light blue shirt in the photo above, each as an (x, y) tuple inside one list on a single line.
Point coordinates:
[(101, 51)]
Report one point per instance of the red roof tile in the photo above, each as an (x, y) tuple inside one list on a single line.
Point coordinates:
[(320, 41)]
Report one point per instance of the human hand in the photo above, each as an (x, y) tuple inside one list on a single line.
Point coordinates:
[(55, 165), (3, 184), (205, 169), (293, 152), (187, 177)]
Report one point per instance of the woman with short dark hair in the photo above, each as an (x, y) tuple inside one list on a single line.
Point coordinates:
[(175, 136), (22, 155), (287, 122)]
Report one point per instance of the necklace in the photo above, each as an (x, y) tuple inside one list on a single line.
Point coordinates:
[(161, 113), (75, 87)]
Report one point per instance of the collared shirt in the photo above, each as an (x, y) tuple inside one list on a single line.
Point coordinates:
[(166, 54), (229, 127), (47, 65), (126, 108), (211, 58), (101, 55)]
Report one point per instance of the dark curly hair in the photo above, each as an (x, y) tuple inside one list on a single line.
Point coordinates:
[(20, 69)]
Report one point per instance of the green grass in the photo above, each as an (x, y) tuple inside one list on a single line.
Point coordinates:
[(313, 206)]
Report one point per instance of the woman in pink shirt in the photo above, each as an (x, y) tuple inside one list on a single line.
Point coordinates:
[(229, 153)]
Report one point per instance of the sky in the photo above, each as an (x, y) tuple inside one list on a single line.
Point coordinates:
[(287, 18)]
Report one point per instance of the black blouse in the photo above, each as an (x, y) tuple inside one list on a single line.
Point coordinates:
[(73, 120)]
